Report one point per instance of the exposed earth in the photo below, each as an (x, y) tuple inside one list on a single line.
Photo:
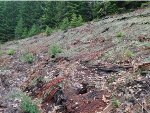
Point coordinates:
[(103, 63)]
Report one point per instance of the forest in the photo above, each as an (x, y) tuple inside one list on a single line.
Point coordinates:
[(27, 18)]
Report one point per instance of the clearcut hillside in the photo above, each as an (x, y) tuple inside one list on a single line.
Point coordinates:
[(103, 67)]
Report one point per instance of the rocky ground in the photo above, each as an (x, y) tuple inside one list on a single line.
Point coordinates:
[(104, 68)]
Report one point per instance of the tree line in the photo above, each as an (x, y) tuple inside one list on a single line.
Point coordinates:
[(21, 19)]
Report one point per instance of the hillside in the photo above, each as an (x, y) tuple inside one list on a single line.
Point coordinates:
[(104, 67)]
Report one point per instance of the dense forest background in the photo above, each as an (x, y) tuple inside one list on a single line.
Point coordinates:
[(27, 18)]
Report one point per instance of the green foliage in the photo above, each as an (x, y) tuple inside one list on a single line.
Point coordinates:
[(25, 33), (34, 30), (76, 21), (23, 19), (104, 8), (27, 57), (145, 44), (128, 53), (10, 51), (48, 31), (120, 34), (19, 29), (80, 20), (116, 103), (65, 24), (54, 50), (110, 7), (147, 4), (1, 52), (27, 105), (8, 20)]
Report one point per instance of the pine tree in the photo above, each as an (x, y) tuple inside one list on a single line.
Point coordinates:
[(17, 18), (48, 18), (25, 33), (48, 31), (74, 20), (80, 20), (8, 20), (85, 10), (34, 30), (19, 29), (65, 24), (2, 28)]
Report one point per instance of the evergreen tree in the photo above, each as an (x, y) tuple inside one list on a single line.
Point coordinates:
[(17, 18), (85, 10), (25, 33), (48, 18), (2, 28), (74, 20), (48, 31), (8, 22), (65, 24), (80, 20), (19, 29), (34, 30)]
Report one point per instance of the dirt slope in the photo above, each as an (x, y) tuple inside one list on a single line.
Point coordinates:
[(99, 59)]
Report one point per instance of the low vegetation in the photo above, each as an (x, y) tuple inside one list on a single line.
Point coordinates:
[(54, 50), (120, 35), (116, 103), (27, 57), (145, 44), (128, 53), (26, 105), (10, 51)]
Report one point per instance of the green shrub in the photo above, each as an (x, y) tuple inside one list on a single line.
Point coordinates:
[(54, 50), (116, 103), (10, 51), (128, 53), (48, 31), (120, 34), (27, 57), (65, 24), (26, 105), (34, 30)]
